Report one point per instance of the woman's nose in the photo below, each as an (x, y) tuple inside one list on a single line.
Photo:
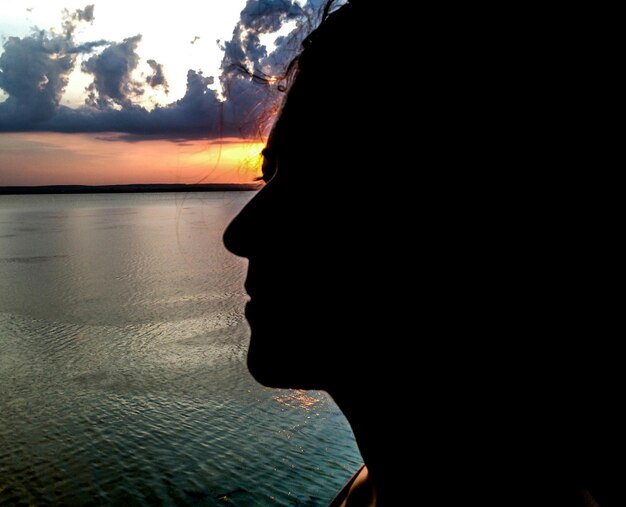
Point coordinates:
[(234, 235), (243, 234)]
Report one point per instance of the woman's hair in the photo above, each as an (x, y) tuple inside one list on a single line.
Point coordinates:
[(311, 24), (310, 49), (284, 78), (287, 75)]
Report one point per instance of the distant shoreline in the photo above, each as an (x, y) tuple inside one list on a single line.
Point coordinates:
[(129, 189)]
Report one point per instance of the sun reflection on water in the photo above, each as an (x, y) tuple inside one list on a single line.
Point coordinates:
[(302, 400)]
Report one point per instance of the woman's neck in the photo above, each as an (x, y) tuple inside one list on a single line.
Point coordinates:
[(372, 434)]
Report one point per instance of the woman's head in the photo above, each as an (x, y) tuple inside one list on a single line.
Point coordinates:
[(314, 234)]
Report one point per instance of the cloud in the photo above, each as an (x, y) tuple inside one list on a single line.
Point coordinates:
[(113, 84), (71, 19), (260, 17), (34, 72), (250, 100), (157, 78), (85, 14), (196, 115)]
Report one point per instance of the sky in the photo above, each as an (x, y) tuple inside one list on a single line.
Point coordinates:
[(114, 91)]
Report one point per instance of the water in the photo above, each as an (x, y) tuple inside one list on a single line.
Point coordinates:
[(122, 364)]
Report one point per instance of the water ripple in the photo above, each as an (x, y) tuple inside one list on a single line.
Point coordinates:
[(122, 368), (31, 260)]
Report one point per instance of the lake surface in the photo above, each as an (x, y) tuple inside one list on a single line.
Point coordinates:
[(122, 363)]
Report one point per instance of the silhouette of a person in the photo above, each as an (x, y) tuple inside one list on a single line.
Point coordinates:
[(423, 266)]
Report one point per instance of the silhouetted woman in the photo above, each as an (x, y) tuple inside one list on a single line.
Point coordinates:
[(421, 266)]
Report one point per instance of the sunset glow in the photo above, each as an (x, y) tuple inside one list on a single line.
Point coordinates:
[(105, 93), (82, 159)]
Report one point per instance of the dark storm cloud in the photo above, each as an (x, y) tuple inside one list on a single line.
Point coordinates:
[(34, 72)]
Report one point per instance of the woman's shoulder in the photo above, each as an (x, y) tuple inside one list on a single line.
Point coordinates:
[(349, 489)]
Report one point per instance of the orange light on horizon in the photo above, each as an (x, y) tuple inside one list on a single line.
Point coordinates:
[(242, 158), (105, 159)]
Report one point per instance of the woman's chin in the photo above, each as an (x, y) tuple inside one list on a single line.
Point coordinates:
[(278, 373)]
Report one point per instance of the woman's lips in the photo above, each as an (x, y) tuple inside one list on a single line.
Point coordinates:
[(249, 310)]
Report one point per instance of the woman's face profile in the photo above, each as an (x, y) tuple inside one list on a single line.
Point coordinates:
[(293, 295), (311, 233)]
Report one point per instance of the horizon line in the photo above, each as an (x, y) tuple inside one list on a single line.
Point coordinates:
[(128, 188)]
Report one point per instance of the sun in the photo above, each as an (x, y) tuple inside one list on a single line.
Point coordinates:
[(241, 159)]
